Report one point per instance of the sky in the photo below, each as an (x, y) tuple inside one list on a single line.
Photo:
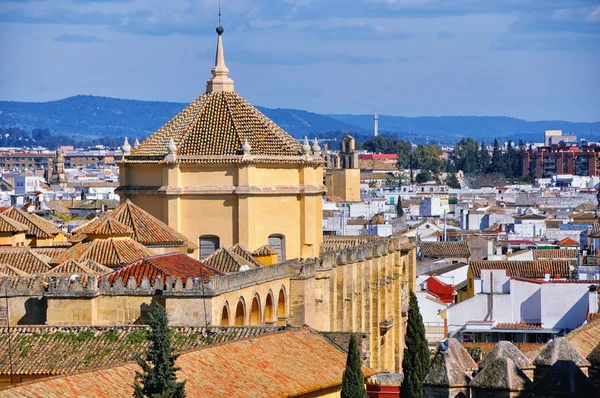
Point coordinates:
[(531, 59)]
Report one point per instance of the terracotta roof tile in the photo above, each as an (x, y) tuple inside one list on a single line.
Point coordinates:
[(59, 350), (264, 366), (227, 261), (218, 124), (7, 224), (567, 242), (524, 269), (49, 252), (71, 267), (25, 260), (36, 226), (176, 265), (9, 270), (111, 252), (445, 249), (265, 250), (245, 254), (519, 326), (551, 254), (107, 226), (147, 229)]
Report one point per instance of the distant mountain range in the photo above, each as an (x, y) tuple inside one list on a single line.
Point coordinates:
[(86, 117)]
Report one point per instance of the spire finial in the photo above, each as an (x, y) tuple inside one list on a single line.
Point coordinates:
[(220, 82), (126, 148)]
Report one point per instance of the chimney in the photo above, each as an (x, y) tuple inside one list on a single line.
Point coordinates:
[(547, 274)]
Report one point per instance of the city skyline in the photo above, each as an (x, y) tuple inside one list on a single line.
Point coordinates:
[(409, 58)]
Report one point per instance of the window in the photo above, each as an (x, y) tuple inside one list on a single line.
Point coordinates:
[(208, 244), (277, 242)]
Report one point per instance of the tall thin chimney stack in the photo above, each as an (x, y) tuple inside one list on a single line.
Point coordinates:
[(376, 128)]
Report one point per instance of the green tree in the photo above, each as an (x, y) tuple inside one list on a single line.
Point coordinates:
[(158, 379), (353, 380), (484, 158), (415, 363), (466, 156), (423, 176), (452, 181), (399, 209), (428, 157), (497, 162)]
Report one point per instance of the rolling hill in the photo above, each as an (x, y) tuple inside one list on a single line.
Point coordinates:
[(85, 117)]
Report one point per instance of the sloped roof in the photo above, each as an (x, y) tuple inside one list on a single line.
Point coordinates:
[(25, 260), (523, 269), (110, 252), (265, 250), (9, 270), (36, 226), (501, 374), (564, 378), (557, 350), (49, 252), (283, 364), (585, 337), (176, 265), (147, 229), (551, 254), (505, 349), (218, 124), (7, 224), (60, 350), (245, 253), (449, 368), (567, 242), (73, 267), (107, 226), (445, 249), (227, 261)]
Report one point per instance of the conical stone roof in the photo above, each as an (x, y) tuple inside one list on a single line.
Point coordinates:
[(557, 350), (501, 374), (505, 349), (565, 379)]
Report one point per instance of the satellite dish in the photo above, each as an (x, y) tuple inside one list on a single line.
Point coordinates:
[(244, 268), (73, 278)]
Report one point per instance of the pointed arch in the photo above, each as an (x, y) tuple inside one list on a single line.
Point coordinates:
[(255, 311), (281, 306), (269, 316), (225, 318), (240, 312)]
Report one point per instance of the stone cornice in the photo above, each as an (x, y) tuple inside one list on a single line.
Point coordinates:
[(246, 190)]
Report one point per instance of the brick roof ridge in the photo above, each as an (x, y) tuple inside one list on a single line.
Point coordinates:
[(245, 254), (107, 226), (13, 225), (36, 225)]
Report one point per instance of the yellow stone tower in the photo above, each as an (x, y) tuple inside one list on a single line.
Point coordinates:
[(220, 172)]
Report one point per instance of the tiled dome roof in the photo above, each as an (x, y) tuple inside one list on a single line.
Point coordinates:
[(218, 124)]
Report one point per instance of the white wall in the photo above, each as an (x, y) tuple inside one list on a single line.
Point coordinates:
[(564, 305), (526, 301), (475, 308), (429, 308)]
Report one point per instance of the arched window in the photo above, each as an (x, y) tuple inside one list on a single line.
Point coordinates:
[(281, 307), (255, 311), (269, 316), (225, 315), (240, 313), (208, 244), (277, 242)]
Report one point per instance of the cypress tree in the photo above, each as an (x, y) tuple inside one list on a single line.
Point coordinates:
[(158, 379), (353, 381), (415, 363), (399, 209)]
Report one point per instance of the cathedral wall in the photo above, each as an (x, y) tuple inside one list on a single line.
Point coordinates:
[(209, 216), (195, 175), (263, 175), (144, 174)]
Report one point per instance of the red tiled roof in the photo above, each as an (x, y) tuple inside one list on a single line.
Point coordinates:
[(440, 290), (550, 254), (567, 242), (265, 250), (36, 226), (7, 224), (218, 124), (25, 260), (176, 265), (147, 229), (111, 252), (525, 269), (107, 226), (285, 364), (445, 249), (73, 267), (519, 326), (227, 261)]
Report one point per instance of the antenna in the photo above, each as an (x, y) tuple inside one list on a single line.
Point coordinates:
[(219, 13)]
